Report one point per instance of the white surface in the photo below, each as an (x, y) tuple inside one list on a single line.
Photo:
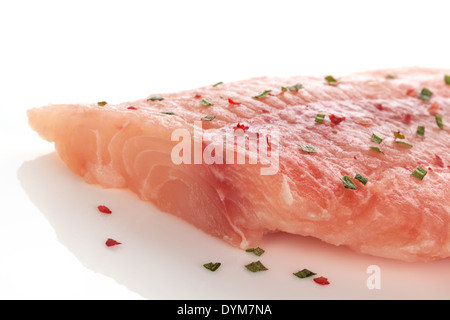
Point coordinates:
[(52, 237)]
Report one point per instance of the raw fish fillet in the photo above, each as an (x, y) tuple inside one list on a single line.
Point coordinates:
[(395, 214)]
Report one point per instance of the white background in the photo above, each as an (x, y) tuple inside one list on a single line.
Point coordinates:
[(52, 238)]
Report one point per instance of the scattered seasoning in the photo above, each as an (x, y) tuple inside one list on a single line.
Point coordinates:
[(398, 135), (155, 99), (420, 131), (132, 108), (307, 148), (411, 93), (305, 273), (379, 106), (361, 178), (256, 266), (207, 118), (197, 96), (320, 117), (321, 280), (168, 112), (233, 102), (408, 117), (102, 103), (348, 183), (212, 266), (419, 173), (391, 76), (240, 126), (206, 103), (336, 120), (377, 149), (331, 81), (439, 122), (404, 144), (438, 161), (262, 94), (447, 79), (104, 209), (258, 251), (425, 94), (434, 108), (295, 87), (376, 138), (217, 84), (111, 242)]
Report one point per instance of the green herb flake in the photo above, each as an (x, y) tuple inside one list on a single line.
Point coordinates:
[(212, 266), (419, 173), (258, 251), (102, 103), (376, 138), (207, 118), (320, 117), (420, 131), (348, 183), (262, 94), (256, 266), (307, 148), (217, 84), (295, 87), (377, 149), (447, 79), (304, 273), (284, 89), (168, 112), (404, 144), (331, 81), (155, 99), (206, 103), (361, 178), (391, 76), (439, 122), (425, 94), (398, 135)]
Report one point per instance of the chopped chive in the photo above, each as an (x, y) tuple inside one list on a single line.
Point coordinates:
[(447, 79), (439, 122), (391, 76), (217, 84), (377, 149), (258, 251), (425, 94), (102, 103), (398, 135), (348, 183), (168, 112), (320, 117), (419, 173), (404, 144), (206, 103), (331, 81), (376, 138), (295, 87), (155, 99), (256, 266), (207, 118), (212, 266), (361, 178), (420, 131), (307, 148), (262, 94), (304, 273)]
